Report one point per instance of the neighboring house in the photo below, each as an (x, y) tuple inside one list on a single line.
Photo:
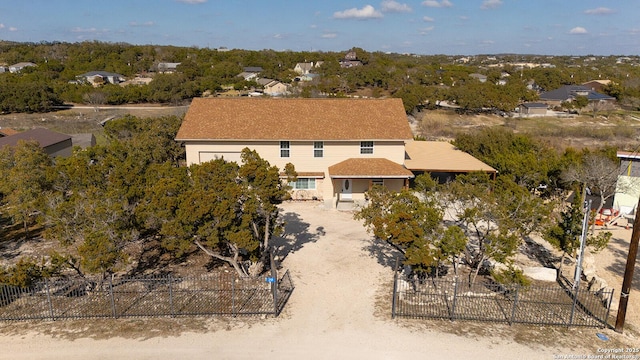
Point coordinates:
[(3, 69), (83, 140), (479, 77), (167, 67), (53, 143), (350, 60), (16, 68), (97, 78), (340, 147), (7, 132), (248, 76), (253, 69), (627, 193), (303, 68), (306, 67), (597, 85), (532, 109), (442, 160), (570, 92), (138, 80), (273, 87)]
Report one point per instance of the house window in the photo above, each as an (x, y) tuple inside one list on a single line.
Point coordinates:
[(284, 149), (366, 147), (303, 184), (377, 182), (318, 149)]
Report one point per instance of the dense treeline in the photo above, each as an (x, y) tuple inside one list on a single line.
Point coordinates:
[(418, 80), (103, 208), (97, 204)]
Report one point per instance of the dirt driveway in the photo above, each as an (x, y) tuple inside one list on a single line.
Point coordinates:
[(340, 309)]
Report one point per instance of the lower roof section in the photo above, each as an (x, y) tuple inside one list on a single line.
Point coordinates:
[(369, 168), (440, 156)]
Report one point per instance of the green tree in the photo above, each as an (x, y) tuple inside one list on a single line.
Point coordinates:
[(406, 222), (228, 211), (27, 175), (496, 216)]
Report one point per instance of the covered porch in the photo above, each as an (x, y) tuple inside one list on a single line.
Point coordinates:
[(352, 178)]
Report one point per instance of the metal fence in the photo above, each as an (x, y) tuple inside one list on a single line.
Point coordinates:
[(462, 300), (223, 294)]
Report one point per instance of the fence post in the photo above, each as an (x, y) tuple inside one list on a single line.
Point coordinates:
[(274, 284), (395, 290), (46, 284), (171, 296), (455, 298), (515, 305), (233, 296), (113, 302), (606, 318)]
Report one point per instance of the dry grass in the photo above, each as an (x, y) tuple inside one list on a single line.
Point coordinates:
[(619, 130)]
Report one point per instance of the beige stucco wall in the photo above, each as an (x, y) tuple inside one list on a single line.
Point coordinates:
[(301, 156)]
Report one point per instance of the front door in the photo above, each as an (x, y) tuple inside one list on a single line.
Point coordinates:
[(346, 190)]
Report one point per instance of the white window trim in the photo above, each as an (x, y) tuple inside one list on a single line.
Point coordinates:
[(363, 147), (293, 184), (320, 149), (287, 149)]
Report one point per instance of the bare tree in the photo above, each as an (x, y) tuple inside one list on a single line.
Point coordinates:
[(598, 173), (95, 98)]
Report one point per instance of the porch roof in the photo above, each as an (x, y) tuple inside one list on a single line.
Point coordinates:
[(369, 168), (440, 156)]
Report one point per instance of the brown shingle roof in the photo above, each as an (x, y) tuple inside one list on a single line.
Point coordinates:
[(295, 119), (7, 131), (368, 168), (439, 156), (44, 137)]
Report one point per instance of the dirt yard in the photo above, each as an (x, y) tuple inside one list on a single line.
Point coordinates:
[(340, 309)]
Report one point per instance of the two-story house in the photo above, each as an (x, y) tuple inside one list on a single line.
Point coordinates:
[(339, 147)]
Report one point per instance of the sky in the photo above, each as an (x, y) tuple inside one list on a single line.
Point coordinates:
[(427, 27)]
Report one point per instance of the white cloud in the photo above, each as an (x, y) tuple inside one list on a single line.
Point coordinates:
[(329, 36), (428, 19), (425, 31), (599, 11), (437, 4), (394, 6), (462, 17), (367, 12), (84, 30), (13, 28), (578, 30), (1, 26), (146, 23), (490, 4), (192, 1)]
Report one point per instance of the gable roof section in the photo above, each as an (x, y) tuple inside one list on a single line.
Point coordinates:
[(566, 92), (294, 119), (43, 136), (440, 156), (379, 168)]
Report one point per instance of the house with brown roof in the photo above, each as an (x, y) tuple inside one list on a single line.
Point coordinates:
[(53, 143), (339, 147)]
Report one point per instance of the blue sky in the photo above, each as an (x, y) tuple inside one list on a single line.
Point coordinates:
[(452, 27)]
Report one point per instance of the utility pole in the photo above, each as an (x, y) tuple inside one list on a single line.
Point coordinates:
[(628, 272)]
